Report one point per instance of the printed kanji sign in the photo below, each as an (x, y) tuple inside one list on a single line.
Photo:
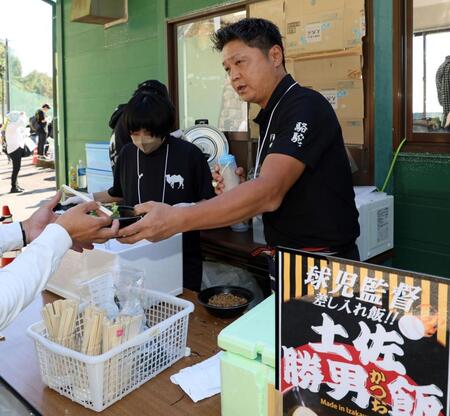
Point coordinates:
[(360, 339)]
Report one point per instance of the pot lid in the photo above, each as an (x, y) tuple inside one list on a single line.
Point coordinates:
[(211, 141)]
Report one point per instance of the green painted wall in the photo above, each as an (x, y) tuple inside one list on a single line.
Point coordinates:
[(177, 8), (422, 213), (101, 68), (382, 16)]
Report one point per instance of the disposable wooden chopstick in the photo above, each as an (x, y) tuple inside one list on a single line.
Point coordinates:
[(60, 319), (93, 327), (84, 197), (131, 326)]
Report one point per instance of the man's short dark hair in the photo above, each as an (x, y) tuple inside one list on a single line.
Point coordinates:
[(46, 106), (254, 32), (151, 110)]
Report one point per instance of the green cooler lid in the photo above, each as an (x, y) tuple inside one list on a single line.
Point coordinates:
[(253, 333)]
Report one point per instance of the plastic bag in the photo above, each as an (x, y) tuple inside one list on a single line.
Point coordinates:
[(217, 274), (100, 292), (128, 283)]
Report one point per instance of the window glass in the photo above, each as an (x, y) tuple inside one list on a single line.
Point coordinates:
[(204, 91), (431, 66)]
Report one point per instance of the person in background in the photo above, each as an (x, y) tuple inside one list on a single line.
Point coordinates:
[(3, 141), (443, 90), (41, 119), (47, 238), (119, 137), (15, 134), (304, 188), (156, 166)]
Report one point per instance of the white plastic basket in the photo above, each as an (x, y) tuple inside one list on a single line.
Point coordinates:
[(96, 382)]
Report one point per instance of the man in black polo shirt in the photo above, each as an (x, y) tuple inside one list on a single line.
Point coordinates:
[(304, 188)]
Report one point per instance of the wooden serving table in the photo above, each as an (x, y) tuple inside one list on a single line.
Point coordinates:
[(159, 396)]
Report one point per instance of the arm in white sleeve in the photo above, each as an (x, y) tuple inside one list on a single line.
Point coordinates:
[(10, 237), (27, 275)]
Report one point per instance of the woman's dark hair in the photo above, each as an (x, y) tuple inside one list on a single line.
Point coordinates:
[(152, 110), (256, 33)]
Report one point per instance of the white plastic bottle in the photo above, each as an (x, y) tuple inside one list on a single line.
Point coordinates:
[(81, 170), (231, 180), (228, 171)]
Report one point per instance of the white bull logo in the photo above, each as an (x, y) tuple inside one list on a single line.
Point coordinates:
[(173, 179)]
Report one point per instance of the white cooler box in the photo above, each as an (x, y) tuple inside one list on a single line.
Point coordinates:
[(162, 264), (376, 221)]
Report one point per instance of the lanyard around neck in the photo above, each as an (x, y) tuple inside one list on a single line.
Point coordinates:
[(140, 175), (261, 146)]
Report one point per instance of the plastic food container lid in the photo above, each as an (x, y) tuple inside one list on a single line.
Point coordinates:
[(226, 159)]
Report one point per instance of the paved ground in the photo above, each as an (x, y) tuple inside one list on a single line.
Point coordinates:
[(39, 185)]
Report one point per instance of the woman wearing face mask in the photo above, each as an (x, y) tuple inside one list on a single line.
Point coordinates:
[(157, 166)]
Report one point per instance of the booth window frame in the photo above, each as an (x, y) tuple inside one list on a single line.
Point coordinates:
[(402, 88)]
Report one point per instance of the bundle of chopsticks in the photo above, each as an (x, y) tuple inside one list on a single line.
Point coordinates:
[(125, 328), (100, 334), (60, 318), (93, 318)]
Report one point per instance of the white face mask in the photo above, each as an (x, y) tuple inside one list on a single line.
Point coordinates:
[(147, 144)]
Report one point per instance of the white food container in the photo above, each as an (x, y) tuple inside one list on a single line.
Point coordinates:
[(162, 264)]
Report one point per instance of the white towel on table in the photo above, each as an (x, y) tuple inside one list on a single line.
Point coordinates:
[(202, 380)]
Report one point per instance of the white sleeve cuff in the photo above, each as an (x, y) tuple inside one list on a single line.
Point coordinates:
[(55, 237), (10, 237)]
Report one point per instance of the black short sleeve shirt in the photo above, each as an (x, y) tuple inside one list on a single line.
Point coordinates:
[(319, 210), (185, 177)]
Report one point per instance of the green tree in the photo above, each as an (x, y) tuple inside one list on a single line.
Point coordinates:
[(39, 83), (15, 66)]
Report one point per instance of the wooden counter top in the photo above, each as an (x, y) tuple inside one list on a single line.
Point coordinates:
[(19, 368)]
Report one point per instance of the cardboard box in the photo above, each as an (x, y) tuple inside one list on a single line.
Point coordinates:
[(272, 10), (161, 262), (319, 6), (352, 131), (308, 71), (354, 26), (346, 97), (323, 25), (253, 110), (316, 32)]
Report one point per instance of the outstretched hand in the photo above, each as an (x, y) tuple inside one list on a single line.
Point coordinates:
[(85, 229), (161, 221), (34, 225)]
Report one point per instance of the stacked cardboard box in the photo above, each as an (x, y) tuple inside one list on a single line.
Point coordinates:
[(339, 79), (272, 10), (322, 25), (323, 46), (324, 50)]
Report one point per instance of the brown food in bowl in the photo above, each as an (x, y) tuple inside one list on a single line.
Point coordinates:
[(226, 300)]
